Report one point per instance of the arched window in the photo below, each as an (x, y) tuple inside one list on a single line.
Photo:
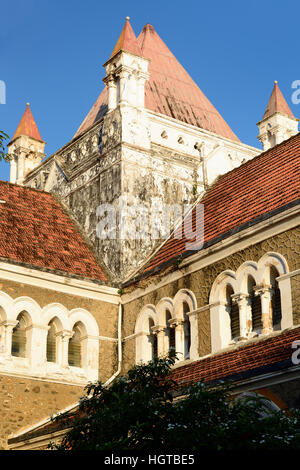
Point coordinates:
[(19, 337), (51, 342), (233, 310), (276, 301), (74, 353), (170, 333), (187, 331), (152, 339), (255, 304)]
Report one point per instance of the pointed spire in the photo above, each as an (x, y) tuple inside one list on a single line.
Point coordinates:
[(277, 103), (27, 126), (127, 41)]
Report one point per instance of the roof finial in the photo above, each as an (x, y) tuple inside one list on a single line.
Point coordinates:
[(275, 81), (27, 104), (127, 18)]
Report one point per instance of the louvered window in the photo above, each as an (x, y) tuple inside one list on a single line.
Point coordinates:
[(255, 303), (172, 343), (256, 312), (187, 331), (51, 343), (154, 345), (74, 355), (276, 301), (233, 309), (18, 348)]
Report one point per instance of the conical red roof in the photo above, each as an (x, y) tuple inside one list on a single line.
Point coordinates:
[(170, 91), (277, 103), (27, 126), (127, 41)]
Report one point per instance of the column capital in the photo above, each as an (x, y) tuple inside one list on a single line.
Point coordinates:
[(65, 334), (174, 322), (240, 297), (157, 329), (9, 323), (263, 289)]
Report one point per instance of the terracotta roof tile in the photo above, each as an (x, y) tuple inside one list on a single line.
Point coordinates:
[(170, 91), (27, 126), (35, 230), (264, 184), (127, 41), (245, 358), (277, 103)]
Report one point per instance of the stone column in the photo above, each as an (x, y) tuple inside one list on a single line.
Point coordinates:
[(245, 318), (6, 341), (112, 93), (160, 332), (13, 170), (179, 337), (21, 165), (124, 85), (265, 293), (141, 80), (62, 351), (194, 340)]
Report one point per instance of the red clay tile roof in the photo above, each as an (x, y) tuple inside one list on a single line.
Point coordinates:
[(277, 103), (127, 41), (27, 126), (170, 91), (249, 357), (36, 231), (264, 184)]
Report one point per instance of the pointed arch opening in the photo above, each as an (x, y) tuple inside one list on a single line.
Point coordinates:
[(186, 330), (52, 355), (255, 305), (75, 346), (233, 311), (170, 333), (276, 299), (152, 339), (19, 343)]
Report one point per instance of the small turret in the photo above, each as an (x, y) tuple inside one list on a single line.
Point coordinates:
[(26, 148), (278, 122)]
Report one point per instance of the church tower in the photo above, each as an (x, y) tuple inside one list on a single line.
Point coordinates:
[(26, 148), (278, 122), (148, 148)]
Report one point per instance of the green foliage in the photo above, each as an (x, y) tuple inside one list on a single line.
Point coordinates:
[(3, 138), (140, 411)]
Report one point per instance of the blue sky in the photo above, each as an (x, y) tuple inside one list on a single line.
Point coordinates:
[(51, 54)]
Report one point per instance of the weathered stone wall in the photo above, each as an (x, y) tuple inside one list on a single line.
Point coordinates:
[(24, 402), (295, 284), (104, 313), (200, 283)]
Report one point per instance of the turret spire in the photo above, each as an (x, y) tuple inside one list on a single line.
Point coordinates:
[(27, 126), (278, 122), (277, 103), (26, 148), (127, 41)]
